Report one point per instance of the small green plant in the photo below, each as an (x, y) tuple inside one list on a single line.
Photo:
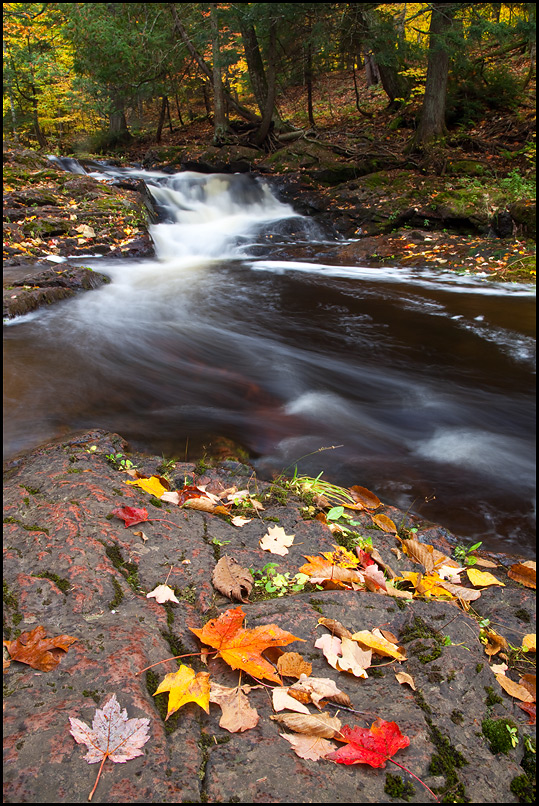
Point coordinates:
[(463, 555), (279, 584), (513, 735), (118, 461)]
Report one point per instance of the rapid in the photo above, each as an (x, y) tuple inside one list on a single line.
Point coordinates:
[(418, 384)]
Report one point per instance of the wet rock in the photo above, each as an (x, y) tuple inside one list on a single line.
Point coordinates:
[(72, 566), (45, 286)]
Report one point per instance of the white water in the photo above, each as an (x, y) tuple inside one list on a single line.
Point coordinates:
[(424, 377)]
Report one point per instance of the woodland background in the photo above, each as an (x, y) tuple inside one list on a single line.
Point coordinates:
[(90, 77)]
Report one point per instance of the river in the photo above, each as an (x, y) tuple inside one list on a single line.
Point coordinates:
[(418, 384)]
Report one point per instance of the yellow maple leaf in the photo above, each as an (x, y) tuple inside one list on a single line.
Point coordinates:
[(185, 686), (482, 578), (378, 644), (150, 485), (342, 557)]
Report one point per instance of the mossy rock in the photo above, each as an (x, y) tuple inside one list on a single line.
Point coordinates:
[(524, 213), (466, 168)]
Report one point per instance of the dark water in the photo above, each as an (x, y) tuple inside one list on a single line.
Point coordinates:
[(426, 380)]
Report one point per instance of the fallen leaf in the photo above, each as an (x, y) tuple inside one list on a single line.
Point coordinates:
[(405, 678), (238, 715), (494, 643), (131, 515), (523, 573), (335, 627), (320, 570), (379, 645), (312, 748), (482, 578), (514, 689), (232, 580), (163, 594), (276, 541), (241, 648), (185, 686), (282, 700), (317, 689), (85, 230), (373, 747), (344, 654), (529, 708), (238, 520), (528, 642), (485, 563), (291, 664), (384, 523), (112, 735), (528, 681), (364, 498), (151, 485), (374, 578), (322, 725), (37, 651)]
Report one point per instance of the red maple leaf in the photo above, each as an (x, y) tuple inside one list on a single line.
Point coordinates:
[(131, 515), (374, 746)]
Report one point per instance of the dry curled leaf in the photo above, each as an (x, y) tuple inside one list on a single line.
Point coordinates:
[(317, 689), (405, 678), (344, 654), (335, 627), (364, 498), (282, 700), (514, 689), (232, 580), (37, 651), (523, 573), (322, 725), (112, 735)]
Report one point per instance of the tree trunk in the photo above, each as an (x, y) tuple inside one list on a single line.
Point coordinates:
[(161, 119), (372, 74), (220, 122), (432, 122), (245, 113), (309, 83), (267, 115)]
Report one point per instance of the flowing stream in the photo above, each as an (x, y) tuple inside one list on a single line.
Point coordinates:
[(425, 379)]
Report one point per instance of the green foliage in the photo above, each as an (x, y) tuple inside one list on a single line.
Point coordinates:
[(277, 584)]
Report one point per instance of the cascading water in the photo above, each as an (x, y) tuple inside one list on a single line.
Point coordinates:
[(424, 378)]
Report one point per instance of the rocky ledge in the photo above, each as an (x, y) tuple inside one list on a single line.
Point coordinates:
[(72, 567)]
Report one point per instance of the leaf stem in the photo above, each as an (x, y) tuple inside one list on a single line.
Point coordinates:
[(414, 776), (176, 657), (90, 796)]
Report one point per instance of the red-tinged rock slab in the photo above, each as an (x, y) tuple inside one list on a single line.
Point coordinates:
[(72, 566)]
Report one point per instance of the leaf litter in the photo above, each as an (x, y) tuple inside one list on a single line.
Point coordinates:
[(115, 736)]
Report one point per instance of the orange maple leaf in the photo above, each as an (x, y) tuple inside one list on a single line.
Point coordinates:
[(242, 649)]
